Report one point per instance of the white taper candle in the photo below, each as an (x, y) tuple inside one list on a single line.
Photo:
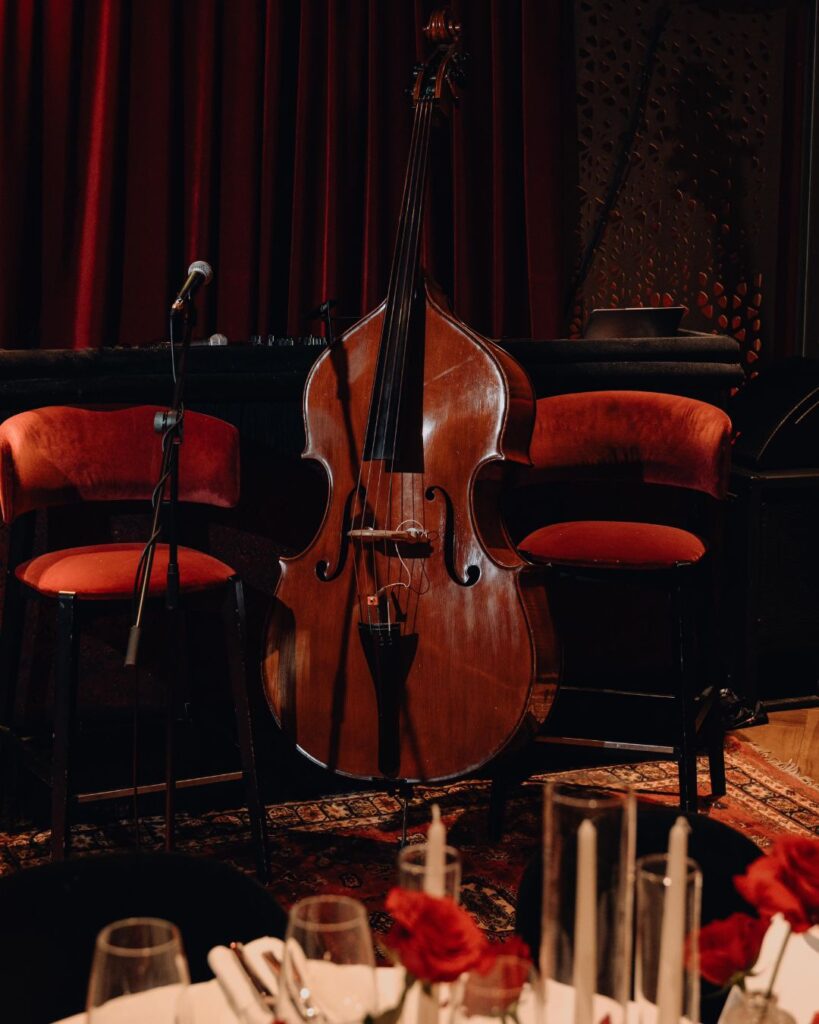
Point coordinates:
[(436, 857), (672, 932), (585, 925), (429, 1003)]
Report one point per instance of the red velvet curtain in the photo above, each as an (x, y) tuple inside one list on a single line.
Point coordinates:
[(268, 137)]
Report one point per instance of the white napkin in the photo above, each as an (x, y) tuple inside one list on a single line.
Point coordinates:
[(237, 988), (240, 995), (204, 1004)]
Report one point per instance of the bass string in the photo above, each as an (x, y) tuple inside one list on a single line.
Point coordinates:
[(392, 338), (395, 336), (409, 274), (376, 396), (399, 341), (376, 403)]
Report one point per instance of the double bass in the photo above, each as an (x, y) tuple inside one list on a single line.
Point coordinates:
[(410, 641)]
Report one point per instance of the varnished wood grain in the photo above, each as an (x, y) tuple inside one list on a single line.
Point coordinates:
[(478, 661), (792, 736)]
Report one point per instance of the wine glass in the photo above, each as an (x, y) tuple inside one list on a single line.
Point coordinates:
[(329, 966), (139, 972)]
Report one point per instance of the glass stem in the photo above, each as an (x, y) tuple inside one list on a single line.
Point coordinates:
[(769, 990)]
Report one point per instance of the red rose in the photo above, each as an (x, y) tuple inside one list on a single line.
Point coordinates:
[(507, 964), (786, 881), (434, 938), (729, 948), (495, 992), (504, 968), (513, 946)]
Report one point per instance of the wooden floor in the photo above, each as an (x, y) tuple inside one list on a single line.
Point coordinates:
[(791, 736)]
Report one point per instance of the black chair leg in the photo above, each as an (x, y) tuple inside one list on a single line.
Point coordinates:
[(65, 714), (11, 634), (174, 641), (21, 538), (687, 721), (497, 806), (716, 751), (234, 612)]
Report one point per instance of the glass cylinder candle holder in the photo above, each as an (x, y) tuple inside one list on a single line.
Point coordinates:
[(667, 976), (412, 866), (588, 888), (510, 991)]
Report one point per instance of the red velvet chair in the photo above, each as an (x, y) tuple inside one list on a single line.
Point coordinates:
[(60, 455), (642, 441)]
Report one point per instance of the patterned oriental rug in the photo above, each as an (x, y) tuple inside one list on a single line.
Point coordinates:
[(349, 843)]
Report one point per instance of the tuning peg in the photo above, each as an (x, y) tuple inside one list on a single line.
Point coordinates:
[(416, 71), (459, 69)]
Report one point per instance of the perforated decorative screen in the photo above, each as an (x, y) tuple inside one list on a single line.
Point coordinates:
[(699, 106)]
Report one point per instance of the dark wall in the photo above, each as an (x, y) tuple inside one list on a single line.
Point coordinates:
[(690, 163)]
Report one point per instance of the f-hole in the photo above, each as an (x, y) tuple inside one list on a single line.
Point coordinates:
[(473, 572), (323, 565)]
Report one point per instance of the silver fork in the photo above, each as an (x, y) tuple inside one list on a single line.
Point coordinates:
[(264, 996), (306, 1008)]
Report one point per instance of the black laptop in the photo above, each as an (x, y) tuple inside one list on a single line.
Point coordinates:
[(634, 322)]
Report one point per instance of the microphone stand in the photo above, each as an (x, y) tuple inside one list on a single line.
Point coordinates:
[(169, 425), (165, 496)]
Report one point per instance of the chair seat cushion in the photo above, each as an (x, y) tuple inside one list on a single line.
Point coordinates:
[(611, 544), (106, 571)]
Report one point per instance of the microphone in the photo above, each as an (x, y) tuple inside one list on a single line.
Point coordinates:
[(199, 273)]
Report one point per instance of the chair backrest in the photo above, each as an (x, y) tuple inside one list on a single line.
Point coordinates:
[(633, 435), (63, 454)]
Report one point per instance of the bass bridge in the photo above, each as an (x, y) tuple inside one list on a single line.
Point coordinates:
[(411, 535)]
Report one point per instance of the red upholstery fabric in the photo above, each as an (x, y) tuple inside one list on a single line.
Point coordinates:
[(633, 435), (604, 544), (59, 454), (106, 571)]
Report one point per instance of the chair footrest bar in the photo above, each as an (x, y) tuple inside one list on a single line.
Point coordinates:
[(602, 691), (576, 741), (156, 787), (39, 764)]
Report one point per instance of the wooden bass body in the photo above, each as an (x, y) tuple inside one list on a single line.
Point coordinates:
[(468, 661)]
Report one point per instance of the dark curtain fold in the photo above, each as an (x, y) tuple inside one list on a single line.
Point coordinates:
[(268, 137)]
